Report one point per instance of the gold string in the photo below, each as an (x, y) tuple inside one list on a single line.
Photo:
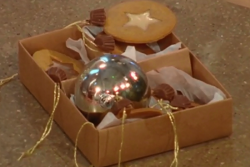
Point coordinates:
[(124, 115), (84, 38), (88, 123), (6, 80), (76, 141), (167, 108), (48, 126), (83, 22)]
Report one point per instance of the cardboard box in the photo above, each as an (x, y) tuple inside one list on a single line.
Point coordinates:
[(244, 3), (141, 138)]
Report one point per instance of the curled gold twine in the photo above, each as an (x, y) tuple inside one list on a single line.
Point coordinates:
[(167, 109), (76, 141), (48, 126), (83, 22), (124, 115), (84, 38), (6, 80)]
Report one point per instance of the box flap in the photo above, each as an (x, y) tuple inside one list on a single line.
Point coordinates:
[(180, 59)]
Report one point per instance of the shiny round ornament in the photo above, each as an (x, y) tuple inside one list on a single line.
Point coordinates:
[(107, 79)]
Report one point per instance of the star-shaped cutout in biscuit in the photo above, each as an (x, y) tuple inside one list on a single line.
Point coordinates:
[(142, 20)]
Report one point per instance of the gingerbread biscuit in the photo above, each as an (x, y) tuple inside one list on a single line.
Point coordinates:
[(139, 21)]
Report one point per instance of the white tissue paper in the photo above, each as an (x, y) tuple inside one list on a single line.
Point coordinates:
[(130, 52), (72, 98), (153, 103), (217, 97), (138, 56), (154, 46), (95, 30), (78, 46), (88, 33), (91, 31), (194, 89), (111, 120)]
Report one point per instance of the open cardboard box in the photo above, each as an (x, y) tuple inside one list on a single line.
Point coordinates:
[(141, 138)]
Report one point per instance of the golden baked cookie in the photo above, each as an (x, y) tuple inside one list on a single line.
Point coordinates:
[(139, 21)]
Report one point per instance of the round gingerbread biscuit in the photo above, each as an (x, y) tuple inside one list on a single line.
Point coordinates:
[(139, 21)]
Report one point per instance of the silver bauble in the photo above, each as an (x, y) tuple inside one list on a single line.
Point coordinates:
[(107, 78)]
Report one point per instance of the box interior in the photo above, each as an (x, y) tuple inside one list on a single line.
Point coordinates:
[(185, 62)]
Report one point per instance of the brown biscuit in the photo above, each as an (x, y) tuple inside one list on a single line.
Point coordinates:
[(97, 17), (56, 74), (164, 91), (105, 42), (120, 105), (180, 101)]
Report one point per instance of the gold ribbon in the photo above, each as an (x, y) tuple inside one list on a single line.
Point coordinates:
[(49, 124), (6, 80), (167, 108), (84, 38), (83, 22), (76, 141), (124, 116)]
